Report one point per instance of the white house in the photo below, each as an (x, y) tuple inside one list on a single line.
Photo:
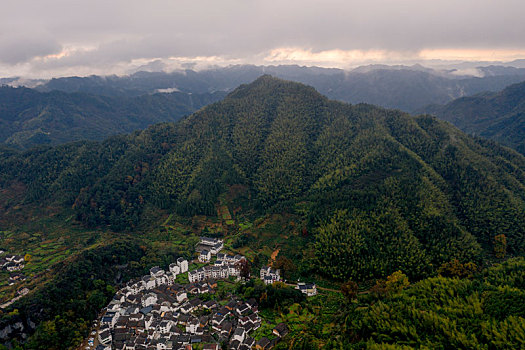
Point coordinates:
[(156, 271), (148, 321), (183, 264), (193, 325), (310, 289), (105, 337), (110, 318), (114, 305), (170, 278), (149, 299), (239, 334), (193, 276), (205, 256), (161, 280), (181, 296), (175, 269), (149, 282), (14, 267), (165, 326), (214, 245), (270, 275)]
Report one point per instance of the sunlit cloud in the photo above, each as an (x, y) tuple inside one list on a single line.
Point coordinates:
[(486, 55), (352, 58), (88, 59), (333, 58)]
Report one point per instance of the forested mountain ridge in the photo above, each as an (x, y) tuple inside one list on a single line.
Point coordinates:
[(402, 87), (382, 190), (498, 116), (30, 118)]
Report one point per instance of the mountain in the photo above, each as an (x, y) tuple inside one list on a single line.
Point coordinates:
[(413, 189), (339, 192), (29, 117), (92, 108), (402, 87), (498, 116)]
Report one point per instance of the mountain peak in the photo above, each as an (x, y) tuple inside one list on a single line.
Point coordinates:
[(269, 85)]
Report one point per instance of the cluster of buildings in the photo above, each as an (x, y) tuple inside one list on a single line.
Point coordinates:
[(157, 313), (208, 247), (176, 316), (12, 262), (158, 277), (224, 267), (270, 275)]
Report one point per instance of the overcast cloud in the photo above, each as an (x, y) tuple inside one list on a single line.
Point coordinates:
[(63, 37)]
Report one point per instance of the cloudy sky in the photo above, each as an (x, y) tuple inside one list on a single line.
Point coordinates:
[(43, 38)]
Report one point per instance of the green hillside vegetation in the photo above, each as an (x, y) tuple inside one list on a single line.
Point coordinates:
[(413, 192), (497, 116), (341, 192), (483, 313), (30, 118)]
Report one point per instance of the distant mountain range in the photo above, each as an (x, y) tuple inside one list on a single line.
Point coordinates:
[(408, 88), (29, 118), (92, 108), (498, 116)]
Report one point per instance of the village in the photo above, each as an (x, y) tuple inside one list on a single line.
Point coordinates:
[(14, 264), (158, 312)]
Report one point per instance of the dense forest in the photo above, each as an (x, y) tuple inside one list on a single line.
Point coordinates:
[(497, 116), (413, 192), (482, 311), (375, 191), (30, 118)]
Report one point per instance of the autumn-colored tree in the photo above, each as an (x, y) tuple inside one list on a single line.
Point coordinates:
[(285, 265), (244, 268), (379, 289), (396, 282), (349, 290), (454, 268), (304, 231), (500, 246), (27, 257)]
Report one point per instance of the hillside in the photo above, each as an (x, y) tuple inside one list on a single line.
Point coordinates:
[(402, 87), (417, 185), (29, 118), (498, 116), (340, 192)]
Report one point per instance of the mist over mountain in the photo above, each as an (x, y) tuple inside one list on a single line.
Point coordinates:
[(498, 116), (402, 87), (92, 108)]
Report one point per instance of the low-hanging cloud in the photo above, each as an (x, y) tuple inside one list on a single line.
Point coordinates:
[(113, 36)]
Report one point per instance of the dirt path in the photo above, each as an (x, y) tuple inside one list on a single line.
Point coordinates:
[(274, 254)]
